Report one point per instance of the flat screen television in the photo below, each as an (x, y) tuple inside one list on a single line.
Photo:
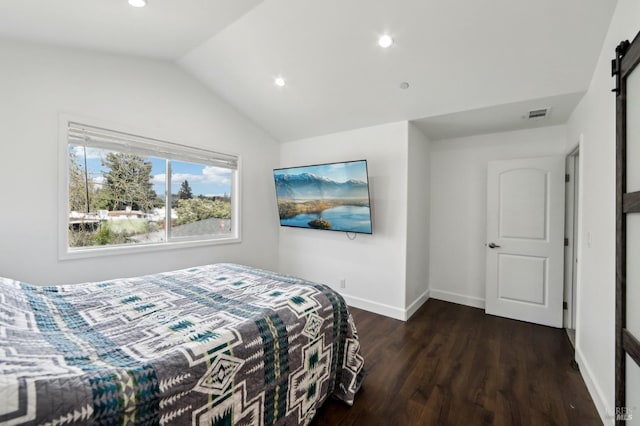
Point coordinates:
[(333, 196)]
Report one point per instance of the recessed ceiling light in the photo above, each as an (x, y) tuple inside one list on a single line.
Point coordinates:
[(138, 3), (280, 82), (385, 41)]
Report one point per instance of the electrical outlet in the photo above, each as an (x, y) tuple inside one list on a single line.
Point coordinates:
[(343, 283)]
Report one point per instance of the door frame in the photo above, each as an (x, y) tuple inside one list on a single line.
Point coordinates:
[(572, 236)]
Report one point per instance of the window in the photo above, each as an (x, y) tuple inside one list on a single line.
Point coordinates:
[(125, 190)]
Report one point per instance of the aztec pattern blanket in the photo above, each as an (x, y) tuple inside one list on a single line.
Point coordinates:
[(217, 345)]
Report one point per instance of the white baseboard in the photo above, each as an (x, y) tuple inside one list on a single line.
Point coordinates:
[(412, 308), (384, 309), (375, 307), (461, 299), (606, 413)]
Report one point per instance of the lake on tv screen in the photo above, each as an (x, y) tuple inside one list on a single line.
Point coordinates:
[(341, 218)]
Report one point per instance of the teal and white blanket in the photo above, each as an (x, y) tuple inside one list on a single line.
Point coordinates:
[(217, 345)]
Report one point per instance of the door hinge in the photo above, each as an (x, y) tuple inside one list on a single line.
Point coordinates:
[(565, 306), (567, 178), (566, 242)]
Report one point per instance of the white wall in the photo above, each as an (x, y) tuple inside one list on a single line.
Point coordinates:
[(594, 120), (373, 265), (160, 100), (459, 205), (418, 189)]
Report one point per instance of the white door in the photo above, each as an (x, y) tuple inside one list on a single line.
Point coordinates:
[(525, 238)]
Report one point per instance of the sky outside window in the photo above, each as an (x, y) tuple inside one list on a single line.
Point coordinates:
[(204, 180)]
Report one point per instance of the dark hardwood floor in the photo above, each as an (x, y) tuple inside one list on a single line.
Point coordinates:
[(454, 365)]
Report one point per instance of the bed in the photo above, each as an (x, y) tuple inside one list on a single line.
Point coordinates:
[(219, 344)]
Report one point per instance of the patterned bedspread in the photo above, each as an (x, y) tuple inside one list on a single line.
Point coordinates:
[(217, 345)]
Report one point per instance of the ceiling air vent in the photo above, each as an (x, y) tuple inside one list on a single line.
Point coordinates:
[(537, 114)]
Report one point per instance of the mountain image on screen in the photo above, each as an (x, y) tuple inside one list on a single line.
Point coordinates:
[(309, 186), (331, 196)]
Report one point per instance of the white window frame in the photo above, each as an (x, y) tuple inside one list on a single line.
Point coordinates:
[(163, 148)]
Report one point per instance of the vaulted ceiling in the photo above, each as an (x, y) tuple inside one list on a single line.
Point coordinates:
[(472, 66)]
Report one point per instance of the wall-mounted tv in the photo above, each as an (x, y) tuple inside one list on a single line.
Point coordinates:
[(332, 196)]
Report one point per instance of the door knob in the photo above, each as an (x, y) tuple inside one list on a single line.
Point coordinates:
[(492, 245)]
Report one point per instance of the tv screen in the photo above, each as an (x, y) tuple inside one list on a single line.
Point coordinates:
[(332, 196)]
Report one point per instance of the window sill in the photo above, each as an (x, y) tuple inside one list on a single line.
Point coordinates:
[(83, 253)]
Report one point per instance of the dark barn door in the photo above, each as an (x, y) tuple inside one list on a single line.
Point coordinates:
[(627, 230)]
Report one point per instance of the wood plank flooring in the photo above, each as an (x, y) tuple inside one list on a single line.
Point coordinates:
[(454, 365)]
